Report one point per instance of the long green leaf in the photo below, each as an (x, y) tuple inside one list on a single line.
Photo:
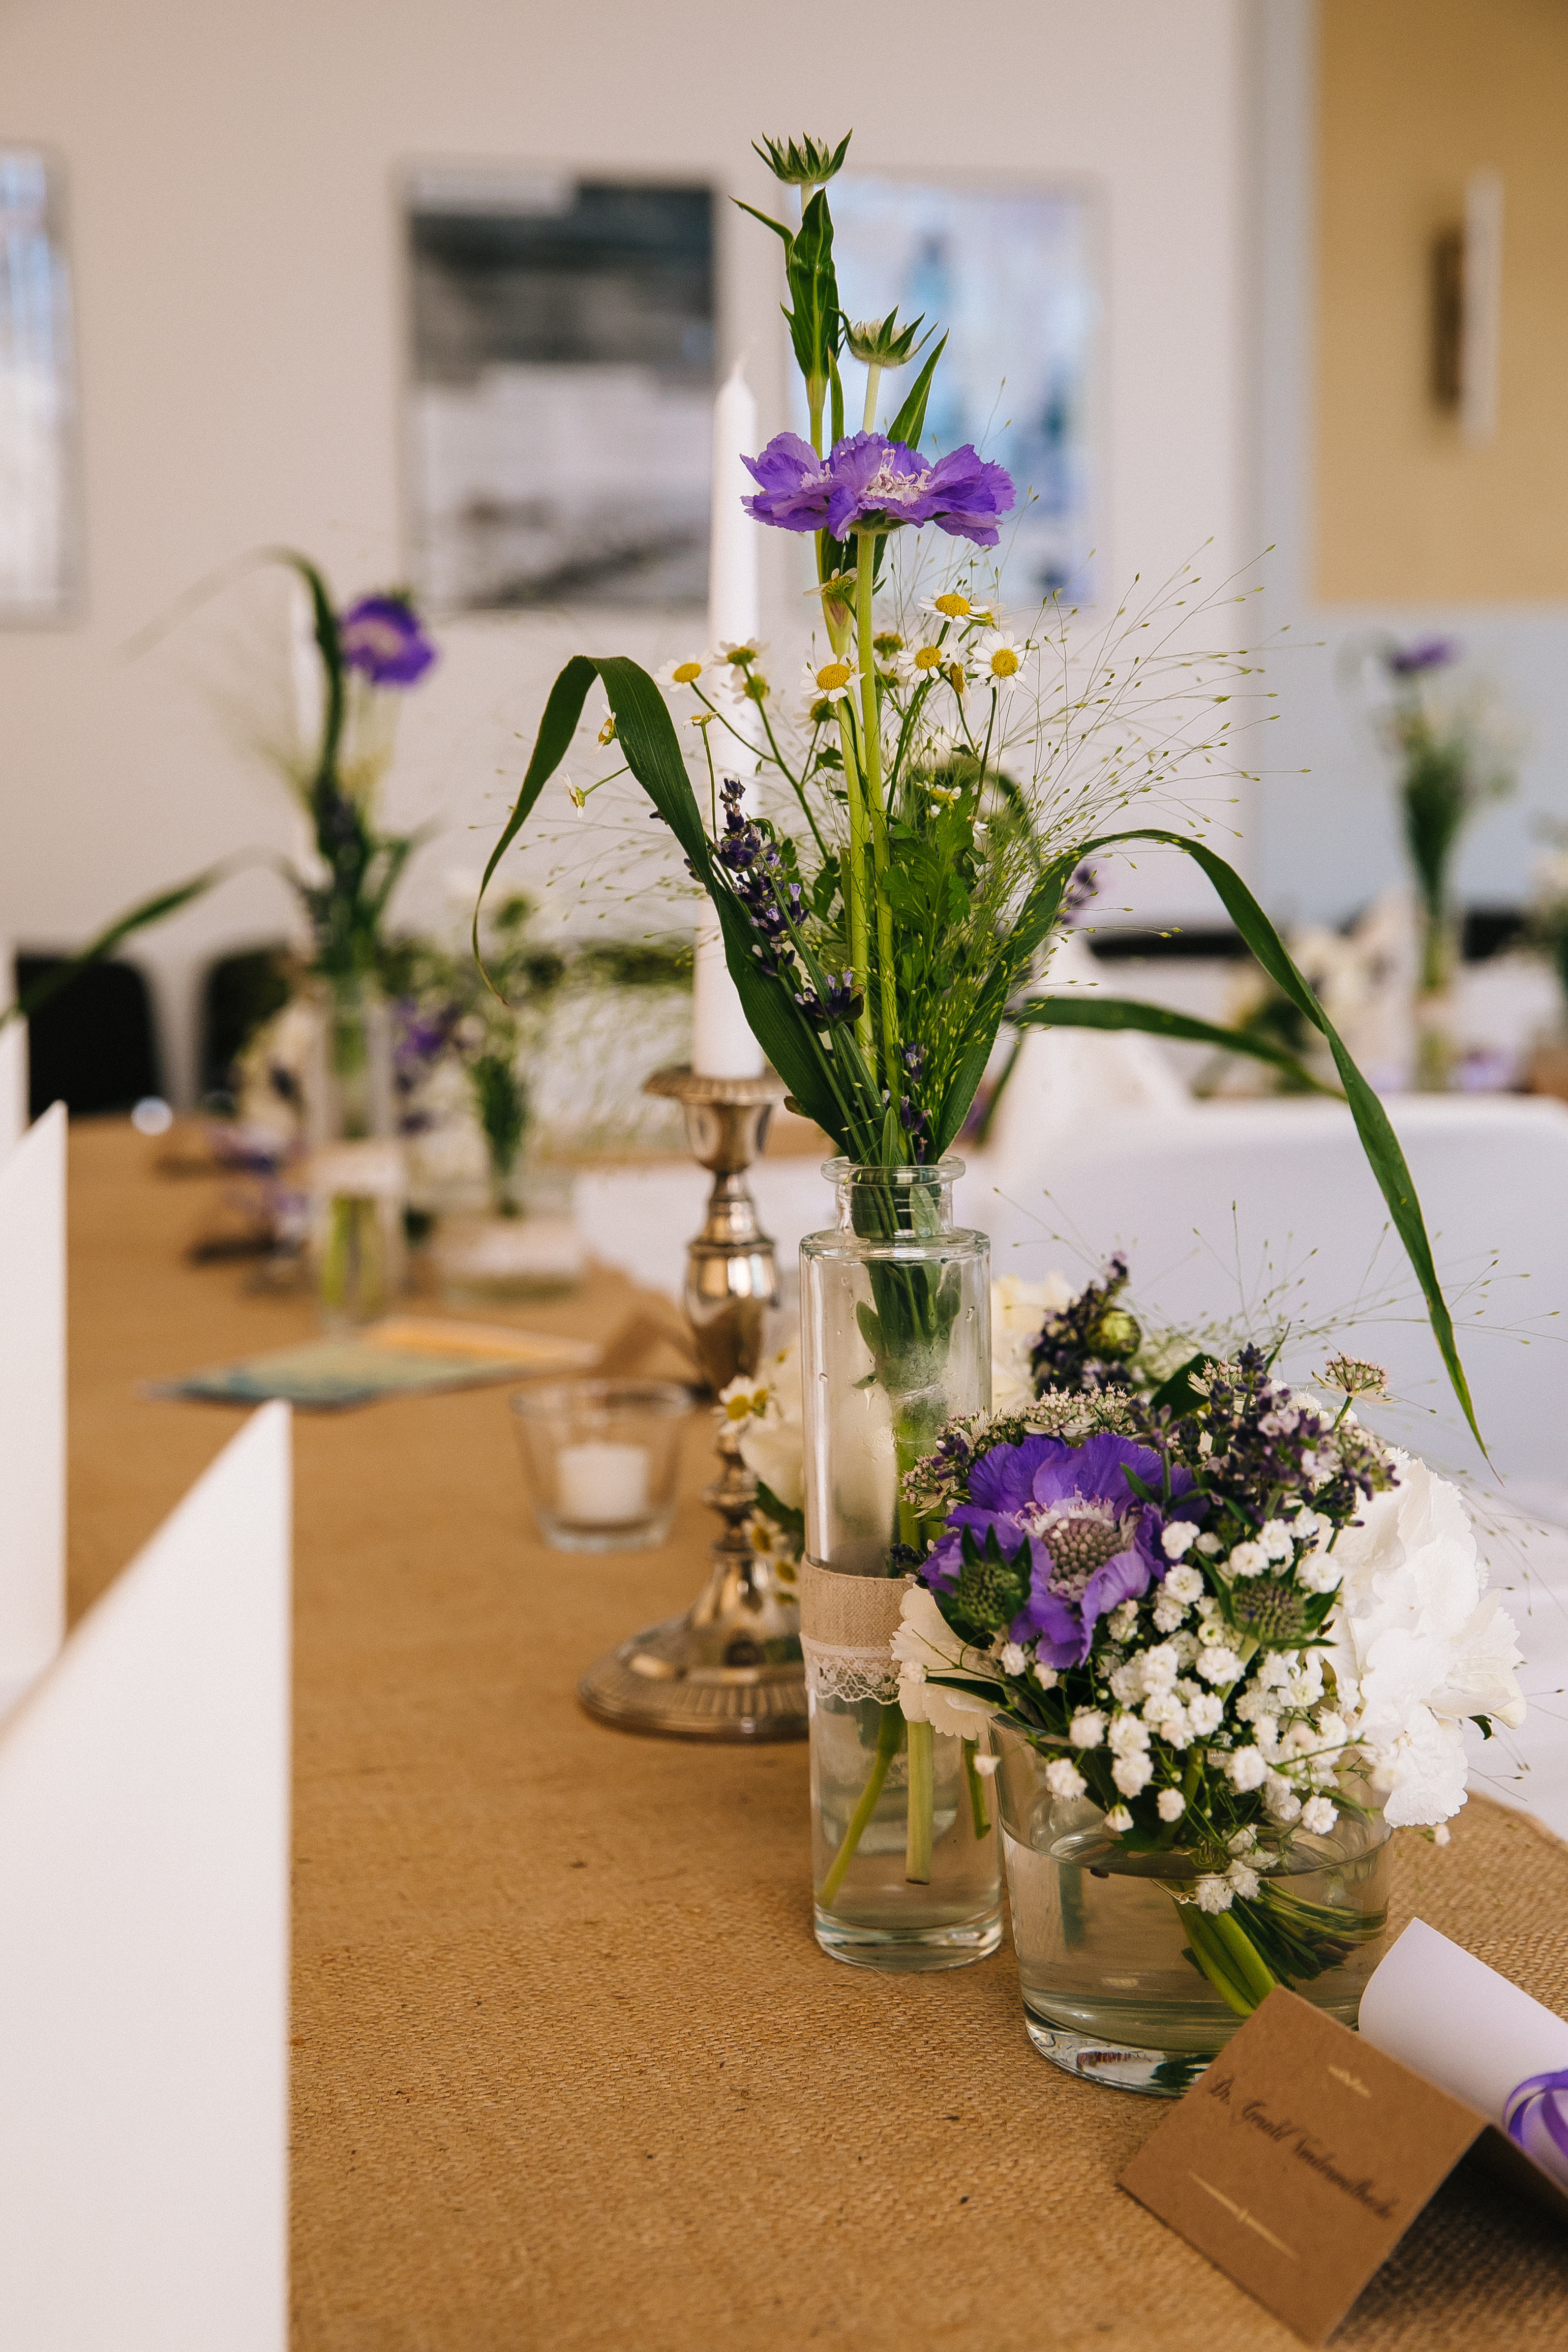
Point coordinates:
[(646, 736), (1126, 1013), (1378, 1139), (137, 918), (911, 421)]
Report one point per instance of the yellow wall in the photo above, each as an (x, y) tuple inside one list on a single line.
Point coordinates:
[(1414, 96)]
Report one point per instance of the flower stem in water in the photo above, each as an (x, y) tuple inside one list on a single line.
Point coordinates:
[(922, 1804), (979, 1811), (889, 1731)]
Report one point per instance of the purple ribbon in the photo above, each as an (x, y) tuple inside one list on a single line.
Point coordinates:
[(1536, 2110)]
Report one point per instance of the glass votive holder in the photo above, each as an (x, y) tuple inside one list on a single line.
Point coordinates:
[(601, 1459)]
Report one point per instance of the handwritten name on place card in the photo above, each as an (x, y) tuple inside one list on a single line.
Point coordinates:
[(1299, 2159)]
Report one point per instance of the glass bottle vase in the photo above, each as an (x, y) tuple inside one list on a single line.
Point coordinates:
[(896, 1340), (357, 1177), (1120, 1970)]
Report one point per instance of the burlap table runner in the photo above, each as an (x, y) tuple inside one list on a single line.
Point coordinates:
[(569, 2068)]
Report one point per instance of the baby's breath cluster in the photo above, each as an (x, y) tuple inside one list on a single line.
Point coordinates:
[(1149, 1592)]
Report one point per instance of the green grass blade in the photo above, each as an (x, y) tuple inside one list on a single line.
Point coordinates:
[(1125, 1013), (1378, 1139)]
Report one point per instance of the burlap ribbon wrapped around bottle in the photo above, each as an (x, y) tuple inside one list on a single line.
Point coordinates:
[(846, 1625)]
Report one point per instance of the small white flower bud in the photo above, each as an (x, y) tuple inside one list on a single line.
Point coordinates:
[(1119, 1820), (1170, 1804)]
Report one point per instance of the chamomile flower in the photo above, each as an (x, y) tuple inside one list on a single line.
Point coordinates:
[(999, 659), (736, 668), (829, 683), (916, 663), (950, 605), (685, 672)]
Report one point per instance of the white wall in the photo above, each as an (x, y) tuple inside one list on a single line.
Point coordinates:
[(231, 176)]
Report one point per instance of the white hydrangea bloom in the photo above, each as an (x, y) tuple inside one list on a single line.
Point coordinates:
[(1212, 1894), (1087, 1728), (1420, 1641), (1170, 1805), (1131, 1773), (1245, 1767), (1178, 1538), (1064, 1779)]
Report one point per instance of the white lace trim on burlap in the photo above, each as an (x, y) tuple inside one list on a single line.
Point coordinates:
[(851, 1674)]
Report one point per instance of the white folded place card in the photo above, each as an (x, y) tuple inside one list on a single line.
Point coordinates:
[(32, 1402), (1435, 2007), (144, 1944)]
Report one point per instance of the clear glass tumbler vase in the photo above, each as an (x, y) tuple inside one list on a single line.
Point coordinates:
[(896, 1340), (357, 1177), (1108, 1940)]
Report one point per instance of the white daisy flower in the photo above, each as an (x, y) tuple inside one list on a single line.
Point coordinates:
[(916, 663), (829, 683), (999, 659), (685, 672), (952, 605)]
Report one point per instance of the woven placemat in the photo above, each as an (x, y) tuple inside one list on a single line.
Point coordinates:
[(570, 2069)]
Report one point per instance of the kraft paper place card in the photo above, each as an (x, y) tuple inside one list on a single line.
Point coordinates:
[(1302, 2155)]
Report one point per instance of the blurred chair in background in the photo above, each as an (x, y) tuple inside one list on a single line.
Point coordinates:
[(94, 1046)]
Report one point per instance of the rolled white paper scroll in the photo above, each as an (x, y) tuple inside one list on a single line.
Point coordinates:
[(1441, 2012)]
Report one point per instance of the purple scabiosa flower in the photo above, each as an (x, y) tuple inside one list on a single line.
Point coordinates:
[(1427, 653), (381, 637), (793, 485), (877, 485), (869, 483), (1078, 1534)]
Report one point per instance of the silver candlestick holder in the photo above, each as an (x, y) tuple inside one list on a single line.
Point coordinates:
[(730, 1668)]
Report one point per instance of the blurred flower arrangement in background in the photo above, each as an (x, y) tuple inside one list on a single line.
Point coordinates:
[(1452, 753)]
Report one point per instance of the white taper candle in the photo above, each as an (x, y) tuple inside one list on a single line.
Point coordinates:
[(722, 1045)]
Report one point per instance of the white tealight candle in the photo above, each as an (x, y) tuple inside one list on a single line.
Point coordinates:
[(722, 1045), (598, 1484)]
